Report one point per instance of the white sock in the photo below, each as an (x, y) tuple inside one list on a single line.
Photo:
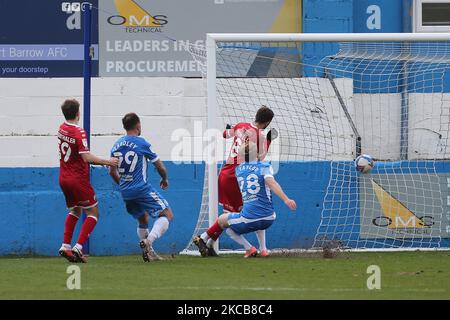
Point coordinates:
[(159, 228), (261, 235), (210, 243), (239, 239), (142, 233), (66, 246), (205, 237), (79, 247)]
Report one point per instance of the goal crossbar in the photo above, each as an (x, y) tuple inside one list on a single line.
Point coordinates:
[(327, 37)]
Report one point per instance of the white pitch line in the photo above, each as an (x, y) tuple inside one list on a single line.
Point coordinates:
[(255, 289), (280, 289), (300, 289)]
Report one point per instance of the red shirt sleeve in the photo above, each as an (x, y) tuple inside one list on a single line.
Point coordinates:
[(81, 141), (229, 133)]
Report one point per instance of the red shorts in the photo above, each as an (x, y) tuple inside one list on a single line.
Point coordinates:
[(230, 196), (78, 193)]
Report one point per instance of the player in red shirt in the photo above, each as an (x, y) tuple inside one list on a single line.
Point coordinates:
[(74, 159), (229, 192)]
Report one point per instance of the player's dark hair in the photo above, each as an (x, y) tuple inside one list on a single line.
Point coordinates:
[(130, 121), (70, 108), (264, 114)]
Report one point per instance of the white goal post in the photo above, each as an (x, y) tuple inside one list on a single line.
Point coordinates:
[(392, 60)]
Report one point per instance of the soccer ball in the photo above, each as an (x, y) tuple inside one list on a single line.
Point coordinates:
[(364, 163)]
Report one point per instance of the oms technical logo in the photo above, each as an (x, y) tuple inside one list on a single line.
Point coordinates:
[(133, 18), (397, 216)]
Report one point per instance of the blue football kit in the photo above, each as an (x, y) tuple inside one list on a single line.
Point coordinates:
[(139, 195), (257, 212)]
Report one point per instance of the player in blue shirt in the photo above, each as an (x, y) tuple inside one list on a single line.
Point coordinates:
[(256, 182), (141, 199)]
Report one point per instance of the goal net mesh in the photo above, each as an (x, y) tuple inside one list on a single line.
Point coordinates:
[(385, 99)]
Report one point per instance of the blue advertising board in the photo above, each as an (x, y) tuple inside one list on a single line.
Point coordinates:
[(43, 39), (346, 217)]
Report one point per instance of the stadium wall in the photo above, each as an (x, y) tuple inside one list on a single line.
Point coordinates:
[(33, 210)]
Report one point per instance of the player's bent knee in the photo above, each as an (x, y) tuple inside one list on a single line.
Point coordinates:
[(144, 219), (167, 213), (92, 212), (223, 221), (76, 211)]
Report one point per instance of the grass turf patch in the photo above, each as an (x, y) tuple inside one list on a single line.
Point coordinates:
[(404, 275)]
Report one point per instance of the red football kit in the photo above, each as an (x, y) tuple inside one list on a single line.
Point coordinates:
[(74, 172), (229, 193)]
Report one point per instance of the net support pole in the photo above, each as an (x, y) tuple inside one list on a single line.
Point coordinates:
[(404, 111), (347, 114), (404, 118), (211, 159), (87, 10)]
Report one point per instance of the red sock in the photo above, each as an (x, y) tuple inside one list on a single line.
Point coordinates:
[(214, 231), (69, 226), (86, 229)]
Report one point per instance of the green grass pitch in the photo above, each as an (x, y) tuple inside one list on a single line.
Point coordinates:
[(404, 275)]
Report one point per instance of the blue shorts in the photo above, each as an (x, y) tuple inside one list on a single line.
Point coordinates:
[(153, 204), (242, 225)]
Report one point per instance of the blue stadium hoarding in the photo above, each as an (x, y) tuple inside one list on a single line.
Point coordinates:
[(341, 205), (43, 39)]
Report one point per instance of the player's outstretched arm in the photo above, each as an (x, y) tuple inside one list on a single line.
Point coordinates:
[(93, 159), (229, 132), (162, 171), (276, 188)]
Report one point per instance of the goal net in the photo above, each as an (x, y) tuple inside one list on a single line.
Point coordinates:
[(334, 100)]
